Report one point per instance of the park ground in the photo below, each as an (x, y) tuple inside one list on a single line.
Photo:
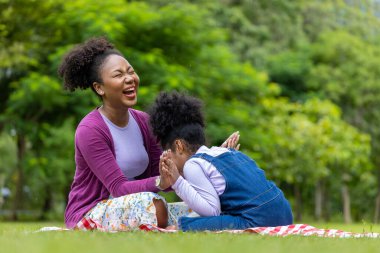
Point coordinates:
[(21, 237)]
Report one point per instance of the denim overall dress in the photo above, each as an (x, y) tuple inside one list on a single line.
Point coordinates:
[(249, 199)]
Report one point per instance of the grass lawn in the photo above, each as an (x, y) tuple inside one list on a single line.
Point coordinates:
[(19, 237)]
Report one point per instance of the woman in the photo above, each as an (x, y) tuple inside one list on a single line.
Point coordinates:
[(117, 157)]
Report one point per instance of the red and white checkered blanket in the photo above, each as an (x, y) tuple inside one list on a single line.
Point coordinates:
[(281, 231)]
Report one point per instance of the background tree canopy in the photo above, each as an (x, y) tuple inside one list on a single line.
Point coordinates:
[(302, 90)]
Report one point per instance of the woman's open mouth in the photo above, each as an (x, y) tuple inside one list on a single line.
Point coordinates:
[(130, 92)]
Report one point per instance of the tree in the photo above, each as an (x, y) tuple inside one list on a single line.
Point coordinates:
[(309, 143), (35, 100), (346, 72)]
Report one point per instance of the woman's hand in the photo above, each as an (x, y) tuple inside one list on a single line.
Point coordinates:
[(232, 141)]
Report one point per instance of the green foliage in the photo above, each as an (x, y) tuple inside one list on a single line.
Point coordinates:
[(35, 96), (309, 140), (270, 69), (52, 166), (289, 69), (308, 143), (323, 49)]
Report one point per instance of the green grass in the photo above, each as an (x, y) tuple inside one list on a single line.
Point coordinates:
[(19, 237)]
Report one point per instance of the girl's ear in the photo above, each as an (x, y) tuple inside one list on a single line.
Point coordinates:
[(180, 148)]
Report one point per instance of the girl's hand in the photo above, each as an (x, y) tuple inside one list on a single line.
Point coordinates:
[(164, 179), (169, 169), (232, 141)]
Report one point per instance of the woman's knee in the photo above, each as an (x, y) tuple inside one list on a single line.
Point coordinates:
[(161, 213)]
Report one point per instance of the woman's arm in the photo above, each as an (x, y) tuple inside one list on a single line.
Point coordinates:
[(97, 153), (154, 154)]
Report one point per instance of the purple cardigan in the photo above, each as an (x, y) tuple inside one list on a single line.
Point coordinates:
[(97, 175)]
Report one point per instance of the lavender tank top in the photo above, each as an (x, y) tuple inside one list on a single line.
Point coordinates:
[(131, 155)]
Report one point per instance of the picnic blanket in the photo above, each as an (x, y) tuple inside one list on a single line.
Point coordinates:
[(280, 231)]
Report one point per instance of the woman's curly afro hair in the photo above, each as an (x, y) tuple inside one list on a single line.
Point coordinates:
[(80, 67), (177, 116)]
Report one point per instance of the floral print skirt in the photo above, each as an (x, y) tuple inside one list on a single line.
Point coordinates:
[(130, 211)]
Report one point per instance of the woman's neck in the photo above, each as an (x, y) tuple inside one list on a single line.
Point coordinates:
[(118, 116)]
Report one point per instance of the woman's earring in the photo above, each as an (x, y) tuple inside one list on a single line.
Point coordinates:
[(101, 92)]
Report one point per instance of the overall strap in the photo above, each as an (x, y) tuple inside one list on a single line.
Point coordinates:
[(210, 158), (204, 156)]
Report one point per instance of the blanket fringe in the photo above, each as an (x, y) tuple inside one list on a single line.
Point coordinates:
[(281, 231)]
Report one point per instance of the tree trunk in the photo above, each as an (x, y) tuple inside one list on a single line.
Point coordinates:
[(48, 204), (377, 207), (346, 204), (326, 203), (2, 180), (298, 207), (318, 200), (377, 204), (17, 201), (66, 190)]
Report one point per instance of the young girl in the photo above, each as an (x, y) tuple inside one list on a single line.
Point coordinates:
[(224, 186)]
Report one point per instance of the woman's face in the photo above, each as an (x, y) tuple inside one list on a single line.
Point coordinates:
[(120, 82)]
